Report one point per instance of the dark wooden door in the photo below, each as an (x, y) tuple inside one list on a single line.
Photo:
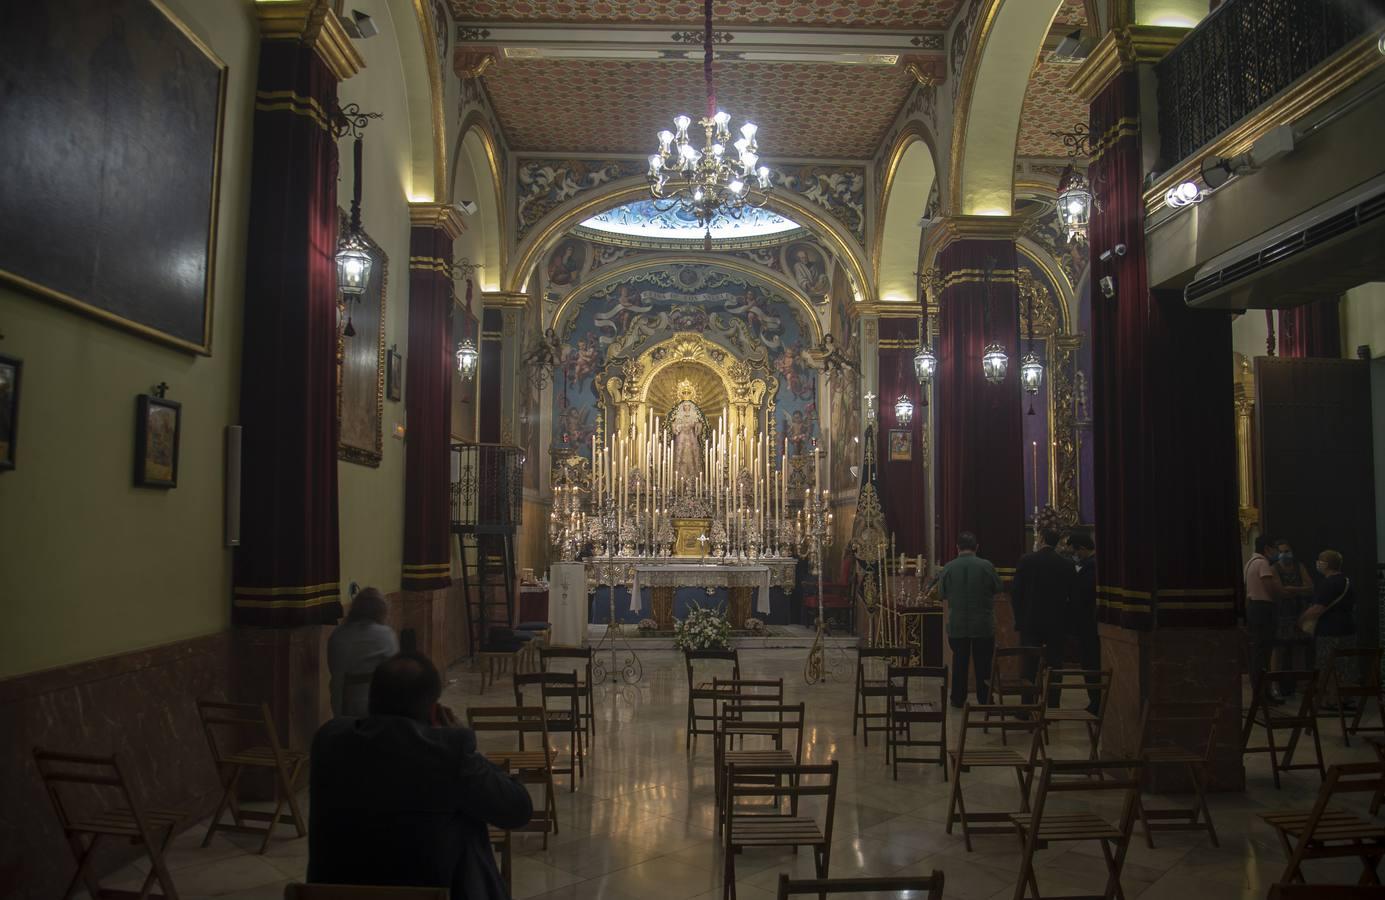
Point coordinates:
[(1317, 476)]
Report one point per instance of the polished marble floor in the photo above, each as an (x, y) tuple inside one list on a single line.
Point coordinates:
[(640, 825)]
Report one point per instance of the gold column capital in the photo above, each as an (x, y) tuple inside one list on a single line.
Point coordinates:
[(504, 299), (315, 24), (985, 228), (431, 214), (1121, 50)]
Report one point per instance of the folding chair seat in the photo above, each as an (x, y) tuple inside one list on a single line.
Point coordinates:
[(872, 664), (1264, 714), (908, 886), (530, 766), (1327, 833), (762, 720), (565, 717), (583, 656), (905, 709), (702, 690), (1023, 720), (1364, 689), (1042, 827), (1179, 735), (268, 753), (1008, 679), (742, 829), (127, 820), (1067, 681)]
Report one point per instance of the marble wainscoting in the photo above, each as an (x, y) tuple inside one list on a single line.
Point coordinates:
[(1171, 665)]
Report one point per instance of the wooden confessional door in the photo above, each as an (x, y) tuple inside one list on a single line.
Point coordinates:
[(1316, 469)]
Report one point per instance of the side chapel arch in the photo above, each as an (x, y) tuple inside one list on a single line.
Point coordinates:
[(417, 41), (476, 166), (908, 180)]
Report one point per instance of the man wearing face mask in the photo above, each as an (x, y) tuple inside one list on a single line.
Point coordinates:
[(1263, 593), (1298, 586)]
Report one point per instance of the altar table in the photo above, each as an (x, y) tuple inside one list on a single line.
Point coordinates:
[(664, 576)]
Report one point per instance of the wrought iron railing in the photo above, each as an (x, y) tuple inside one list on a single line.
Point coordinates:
[(487, 488), (1240, 56)]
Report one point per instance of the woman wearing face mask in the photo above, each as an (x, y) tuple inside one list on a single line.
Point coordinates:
[(1334, 608)]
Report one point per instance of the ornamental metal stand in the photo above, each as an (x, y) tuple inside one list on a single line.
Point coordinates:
[(817, 531), (610, 573)]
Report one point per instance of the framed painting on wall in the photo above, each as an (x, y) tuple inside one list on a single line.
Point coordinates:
[(361, 365), (394, 375), (901, 445), (158, 426), (10, 369), (114, 213)]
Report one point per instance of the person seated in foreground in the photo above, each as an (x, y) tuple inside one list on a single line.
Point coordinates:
[(356, 647), (402, 797)]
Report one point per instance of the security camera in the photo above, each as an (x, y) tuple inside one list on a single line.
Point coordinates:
[(1108, 287), (359, 25), (467, 207), (1118, 250)]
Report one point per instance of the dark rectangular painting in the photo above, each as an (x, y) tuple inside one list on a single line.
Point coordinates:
[(158, 426), (361, 365), (111, 144), (9, 409)]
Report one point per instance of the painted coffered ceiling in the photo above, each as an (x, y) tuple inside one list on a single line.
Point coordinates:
[(1048, 107), (907, 14)]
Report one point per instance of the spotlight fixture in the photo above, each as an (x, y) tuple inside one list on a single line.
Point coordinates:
[(1185, 193), (1118, 250), (1218, 170), (359, 25)]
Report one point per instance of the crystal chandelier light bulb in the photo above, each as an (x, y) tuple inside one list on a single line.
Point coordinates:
[(682, 123), (665, 139), (737, 186), (994, 362), (748, 130)]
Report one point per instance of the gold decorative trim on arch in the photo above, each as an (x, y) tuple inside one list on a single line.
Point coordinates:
[(442, 187), (542, 239), (765, 277), (913, 132), (961, 107), (476, 120)]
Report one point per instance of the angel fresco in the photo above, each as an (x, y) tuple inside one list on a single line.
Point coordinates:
[(751, 307), (581, 362), (792, 367), (616, 320)]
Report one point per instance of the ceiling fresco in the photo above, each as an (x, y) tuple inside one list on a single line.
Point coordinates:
[(1049, 106), (919, 14)]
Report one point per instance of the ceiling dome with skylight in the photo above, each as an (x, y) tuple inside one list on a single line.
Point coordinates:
[(643, 223)]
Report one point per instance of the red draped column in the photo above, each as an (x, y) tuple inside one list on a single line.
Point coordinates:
[(286, 568), (1168, 551), (428, 398), (1311, 330), (979, 428), (902, 483)]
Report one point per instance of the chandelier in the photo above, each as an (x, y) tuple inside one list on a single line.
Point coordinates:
[(904, 410), (707, 181), (1031, 369), (354, 259), (994, 362), (1075, 198), (467, 354), (925, 363)]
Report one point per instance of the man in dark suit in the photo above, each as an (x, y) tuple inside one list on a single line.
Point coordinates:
[(397, 801), (1043, 584), (1082, 610)]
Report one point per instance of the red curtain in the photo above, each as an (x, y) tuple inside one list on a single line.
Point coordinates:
[(1163, 414), (979, 431), (428, 405), (901, 483), (1312, 330), (286, 569)]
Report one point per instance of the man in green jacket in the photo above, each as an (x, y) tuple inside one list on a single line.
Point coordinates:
[(968, 585)]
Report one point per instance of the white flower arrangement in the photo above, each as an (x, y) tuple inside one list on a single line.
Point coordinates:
[(703, 629), (648, 625), (756, 626)]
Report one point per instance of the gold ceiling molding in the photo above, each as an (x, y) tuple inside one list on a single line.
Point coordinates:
[(929, 71), (472, 62), (913, 131), (315, 24), (504, 300), (1340, 72), (1120, 51), (437, 215), (442, 188), (541, 240), (986, 228)]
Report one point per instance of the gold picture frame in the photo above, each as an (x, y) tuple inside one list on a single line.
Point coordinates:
[(686, 532), (901, 445)]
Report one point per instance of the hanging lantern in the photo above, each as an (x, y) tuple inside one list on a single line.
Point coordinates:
[(994, 362), (904, 410), (1031, 372), (353, 265), (925, 364), (1074, 204), (466, 359)]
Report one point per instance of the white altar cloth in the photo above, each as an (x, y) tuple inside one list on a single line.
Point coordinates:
[(673, 572), (567, 603)]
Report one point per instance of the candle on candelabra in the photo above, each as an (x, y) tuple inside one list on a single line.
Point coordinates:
[(1034, 458)]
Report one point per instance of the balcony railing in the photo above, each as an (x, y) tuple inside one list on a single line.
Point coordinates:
[(487, 488), (1243, 54)]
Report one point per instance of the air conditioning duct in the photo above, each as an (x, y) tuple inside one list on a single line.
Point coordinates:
[(1333, 247)]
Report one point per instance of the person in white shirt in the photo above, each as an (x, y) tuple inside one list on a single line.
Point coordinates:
[(1263, 593), (355, 648)]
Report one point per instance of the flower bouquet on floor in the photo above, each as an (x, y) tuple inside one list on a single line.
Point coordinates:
[(648, 626), (703, 629)]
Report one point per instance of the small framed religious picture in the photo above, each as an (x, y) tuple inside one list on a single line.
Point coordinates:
[(9, 409), (901, 445), (158, 424), (394, 375)]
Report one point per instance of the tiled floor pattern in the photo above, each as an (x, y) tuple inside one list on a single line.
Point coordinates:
[(640, 825)]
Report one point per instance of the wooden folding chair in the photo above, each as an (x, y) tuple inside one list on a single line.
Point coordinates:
[(745, 692), (1041, 827), (529, 766), (907, 886), (904, 711), (755, 718), (1263, 713), (1367, 688), (1179, 734), (583, 655), (265, 752), (126, 819), (1086, 680), (1323, 833), (703, 690), (565, 717), (873, 684), (1008, 666), (297, 891), (1024, 720), (742, 829)]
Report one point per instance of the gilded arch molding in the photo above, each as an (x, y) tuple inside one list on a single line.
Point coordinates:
[(422, 68), (476, 121), (914, 132), (544, 237)]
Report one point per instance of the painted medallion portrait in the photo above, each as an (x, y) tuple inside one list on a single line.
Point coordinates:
[(806, 265)]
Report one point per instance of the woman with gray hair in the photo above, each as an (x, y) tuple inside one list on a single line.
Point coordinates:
[(355, 648)]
